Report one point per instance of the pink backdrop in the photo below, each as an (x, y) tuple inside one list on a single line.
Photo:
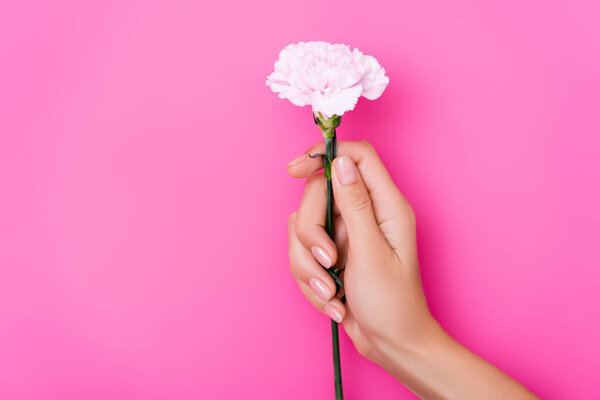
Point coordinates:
[(144, 201)]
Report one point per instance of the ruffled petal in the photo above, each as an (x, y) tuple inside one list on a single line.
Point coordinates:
[(330, 77)]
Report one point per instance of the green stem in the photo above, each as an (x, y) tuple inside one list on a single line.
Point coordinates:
[(331, 150), (337, 367)]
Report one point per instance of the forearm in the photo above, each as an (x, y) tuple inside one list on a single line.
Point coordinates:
[(438, 367)]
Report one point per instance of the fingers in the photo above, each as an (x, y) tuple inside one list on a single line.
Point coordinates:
[(355, 207), (363, 154), (310, 224), (392, 212), (314, 281), (334, 309)]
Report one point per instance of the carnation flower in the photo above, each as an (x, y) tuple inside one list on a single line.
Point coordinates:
[(329, 77)]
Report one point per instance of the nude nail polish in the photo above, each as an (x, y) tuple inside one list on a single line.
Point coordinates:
[(320, 288), (333, 313), (346, 170), (321, 256)]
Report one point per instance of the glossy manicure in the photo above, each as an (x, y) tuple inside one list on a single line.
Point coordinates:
[(321, 256), (333, 313), (320, 288), (346, 170)]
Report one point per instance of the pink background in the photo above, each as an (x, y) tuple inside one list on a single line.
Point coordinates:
[(144, 202)]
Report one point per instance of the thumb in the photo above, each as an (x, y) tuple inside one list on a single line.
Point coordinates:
[(354, 203)]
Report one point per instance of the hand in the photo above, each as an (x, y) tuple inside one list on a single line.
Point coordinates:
[(375, 243), (386, 314)]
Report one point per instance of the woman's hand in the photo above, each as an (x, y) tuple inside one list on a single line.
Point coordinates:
[(386, 313), (375, 245)]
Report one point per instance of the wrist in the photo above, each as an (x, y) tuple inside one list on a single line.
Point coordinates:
[(435, 366), (405, 357)]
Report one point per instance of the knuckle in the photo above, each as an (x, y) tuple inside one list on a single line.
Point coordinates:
[(293, 266), (362, 349), (296, 273), (304, 231), (366, 146), (361, 202), (299, 227), (303, 236), (292, 218)]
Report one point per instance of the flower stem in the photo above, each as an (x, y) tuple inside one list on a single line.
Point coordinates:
[(331, 150)]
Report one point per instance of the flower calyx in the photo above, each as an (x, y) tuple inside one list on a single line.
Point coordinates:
[(327, 125)]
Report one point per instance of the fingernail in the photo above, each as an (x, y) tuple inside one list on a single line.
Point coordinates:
[(333, 313), (321, 256), (346, 170), (320, 288), (297, 160)]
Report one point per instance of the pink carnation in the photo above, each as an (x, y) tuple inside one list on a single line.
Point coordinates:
[(329, 77)]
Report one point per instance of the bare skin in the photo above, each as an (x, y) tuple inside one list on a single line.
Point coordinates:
[(386, 313)]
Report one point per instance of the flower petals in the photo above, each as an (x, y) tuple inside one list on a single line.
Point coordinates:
[(329, 77)]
